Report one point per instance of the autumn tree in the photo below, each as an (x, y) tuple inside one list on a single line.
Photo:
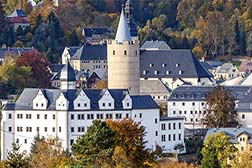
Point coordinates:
[(130, 138), (220, 109), (16, 158), (243, 160), (249, 44), (95, 148), (48, 153), (39, 65), (216, 151)]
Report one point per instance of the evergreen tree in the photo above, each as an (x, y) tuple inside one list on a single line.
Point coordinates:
[(37, 139), (249, 45), (185, 43), (74, 40), (242, 41), (16, 159), (236, 50), (2, 24)]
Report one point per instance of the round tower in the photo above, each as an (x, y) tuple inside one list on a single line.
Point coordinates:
[(123, 60), (67, 77)]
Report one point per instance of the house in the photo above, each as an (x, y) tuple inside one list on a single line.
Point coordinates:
[(67, 113), (155, 45), (226, 71), (14, 51), (190, 102), (170, 65), (96, 35), (18, 18), (241, 138), (245, 67)]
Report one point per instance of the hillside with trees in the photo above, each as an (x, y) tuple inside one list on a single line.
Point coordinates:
[(210, 28)]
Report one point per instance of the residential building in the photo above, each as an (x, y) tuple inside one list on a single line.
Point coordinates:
[(173, 65), (123, 59), (96, 35), (244, 110), (155, 45), (67, 113), (241, 138), (190, 102), (226, 71), (18, 18)]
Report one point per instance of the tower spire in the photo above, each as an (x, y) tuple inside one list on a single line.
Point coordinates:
[(123, 33)]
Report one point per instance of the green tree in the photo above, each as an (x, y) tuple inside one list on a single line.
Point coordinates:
[(242, 41), (216, 151), (74, 40), (34, 145), (221, 109), (96, 146), (15, 158)]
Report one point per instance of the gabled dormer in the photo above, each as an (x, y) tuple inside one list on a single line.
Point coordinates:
[(62, 102), (127, 102), (40, 102), (106, 101), (81, 102)]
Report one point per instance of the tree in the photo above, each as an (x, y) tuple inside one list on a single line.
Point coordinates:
[(130, 138), (2, 24), (34, 145), (242, 41), (73, 39), (249, 45), (39, 65), (216, 151), (221, 109), (48, 153), (96, 146), (15, 158), (243, 160)]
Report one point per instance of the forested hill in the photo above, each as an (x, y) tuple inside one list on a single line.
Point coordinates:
[(210, 28)]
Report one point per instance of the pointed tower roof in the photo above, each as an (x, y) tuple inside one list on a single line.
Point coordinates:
[(67, 73), (123, 33)]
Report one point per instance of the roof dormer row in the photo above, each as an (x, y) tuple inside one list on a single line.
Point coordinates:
[(81, 101)]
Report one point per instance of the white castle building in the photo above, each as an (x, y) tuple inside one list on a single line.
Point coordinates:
[(67, 113)]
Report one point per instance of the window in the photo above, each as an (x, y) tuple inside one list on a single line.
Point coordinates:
[(193, 104), (179, 125), (85, 104), (162, 126), (109, 104), (81, 117), (191, 119), (10, 129), (174, 137), (25, 141), (78, 104), (37, 129), (180, 72), (163, 138), (103, 104), (90, 116), (45, 129), (183, 103), (71, 141), (28, 129), (169, 126), (195, 112), (28, 116), (174, 112), (19, 129), (59, 129), (179, 136), (202, 103), (113, 52), (42, 105), (174, 104), (177, 65), (140, 115), (125, 52), (81, 129), (53, 116), (9, 116), (156, 72), (36, 104), (156, 133), (17, 140), (99, 116), (72, 129), (118, 116), (38, 116), (180, 112), (45, 116), (109, 116), (72, 116), (167, 72), (184, 112), (53, 129), (19, 116), (136, 52), (169, 137), (243, 116), (191, 112), (151, 65), (174, 125), (127, 115), (156, 120), (163, 65)]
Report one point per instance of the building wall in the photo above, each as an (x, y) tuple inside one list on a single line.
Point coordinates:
[(245, 119), (123, 66)]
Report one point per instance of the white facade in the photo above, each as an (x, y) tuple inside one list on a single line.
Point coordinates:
[(22, 123)]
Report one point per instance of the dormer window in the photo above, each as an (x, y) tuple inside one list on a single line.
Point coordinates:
[(151, 65), (144, 72), (36, 104), (155, 72), (177, 65), (167, 72), (103, 104), (109, 104), (163, 65), (180, 72), (127, 104)]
